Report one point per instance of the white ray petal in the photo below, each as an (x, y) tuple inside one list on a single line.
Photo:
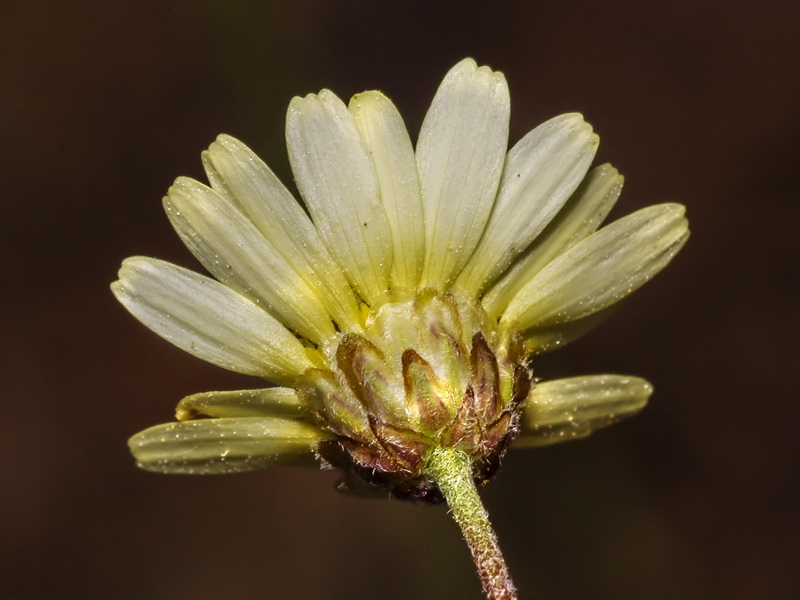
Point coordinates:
[(211, 446), (337, 180), (581, 216), (209, 320), (384, 134), (568, 409), (600, 270), (541, 172), (237, 253), (460, 153), (237, 173)]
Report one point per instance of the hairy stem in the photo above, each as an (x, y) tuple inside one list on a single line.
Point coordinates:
[(452, 471)]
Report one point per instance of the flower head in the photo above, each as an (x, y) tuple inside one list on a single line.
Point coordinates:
[(397, 313)]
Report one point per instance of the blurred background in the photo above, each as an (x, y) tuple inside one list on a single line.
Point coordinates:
[(103, 104)]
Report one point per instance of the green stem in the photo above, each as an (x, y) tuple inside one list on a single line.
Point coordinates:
[(452, 471)]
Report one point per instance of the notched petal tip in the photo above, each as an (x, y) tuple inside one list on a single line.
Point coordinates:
[(129, 268), (224, 139), (224, 148), (312, 101), (469, 66), (570, 122), (296, 105), (368, 98)]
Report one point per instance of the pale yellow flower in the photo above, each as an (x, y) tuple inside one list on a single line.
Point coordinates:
[(400, 311), (397, 316)]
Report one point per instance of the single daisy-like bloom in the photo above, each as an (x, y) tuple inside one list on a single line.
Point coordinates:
[(397, 314)]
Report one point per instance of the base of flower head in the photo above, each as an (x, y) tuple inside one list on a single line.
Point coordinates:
[(426, 373)]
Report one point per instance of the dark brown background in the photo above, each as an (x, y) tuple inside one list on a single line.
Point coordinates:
[(104, 103)]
